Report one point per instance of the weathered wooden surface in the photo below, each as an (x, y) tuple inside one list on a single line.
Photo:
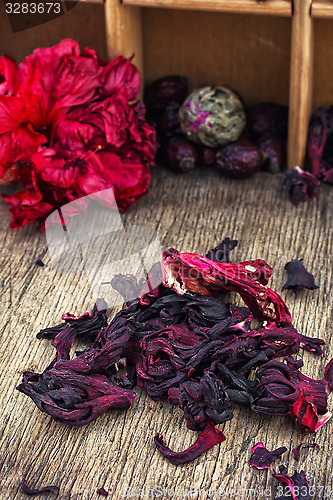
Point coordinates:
[(192, 212)]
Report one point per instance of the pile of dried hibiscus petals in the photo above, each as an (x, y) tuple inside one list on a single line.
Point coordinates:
[(182, 342)]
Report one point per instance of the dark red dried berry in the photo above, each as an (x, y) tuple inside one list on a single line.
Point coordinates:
[(274, 150), (268, 117), (180, 155), (169, 124), (206, 156), (239, 159), (163, 91)]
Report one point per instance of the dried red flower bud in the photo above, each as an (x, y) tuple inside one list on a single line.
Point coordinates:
[(208, 438), (261, 458), (298, 277), (73, 398), (197, 274), (86, 326), (301, 185), (282, 389), (169, 124), (206, 156), (203, 401), (297, 484)]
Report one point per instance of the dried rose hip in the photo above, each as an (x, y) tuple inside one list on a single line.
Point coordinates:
[(169, 124), (163, 91), (268, 117), (273, 148), (239, 159), (206, 156), (180, 155)]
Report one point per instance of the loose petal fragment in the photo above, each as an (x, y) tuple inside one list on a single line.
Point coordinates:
[(209, 437), (35, 491), (329, 374), (298, 277), (297, 484), (103, 492), (296, 451), (221, 253), (261, 458)]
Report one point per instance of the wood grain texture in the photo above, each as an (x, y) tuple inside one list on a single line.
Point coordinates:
[(269, 7), (248, 53), (191, 212), (322, 8), (301, 82)]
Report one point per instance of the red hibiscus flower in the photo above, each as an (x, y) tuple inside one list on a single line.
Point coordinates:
[(71, 125)]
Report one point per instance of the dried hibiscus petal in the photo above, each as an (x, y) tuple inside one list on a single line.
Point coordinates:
[(195, 273), (34, 491), (329, 374), (87, 326), (282, 389), (298, 485), (301, 185), (203, 401), (106, 350), (73, 398), (208, 438), (102, 491), (312, 344), (298, 277), (261, 458), (221, 253), (297, 450)]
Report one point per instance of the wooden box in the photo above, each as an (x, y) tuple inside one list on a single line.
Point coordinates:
[(276, 50)]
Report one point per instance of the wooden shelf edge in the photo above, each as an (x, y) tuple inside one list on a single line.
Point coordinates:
[(322, 9), (267, 7), (88, 1)]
